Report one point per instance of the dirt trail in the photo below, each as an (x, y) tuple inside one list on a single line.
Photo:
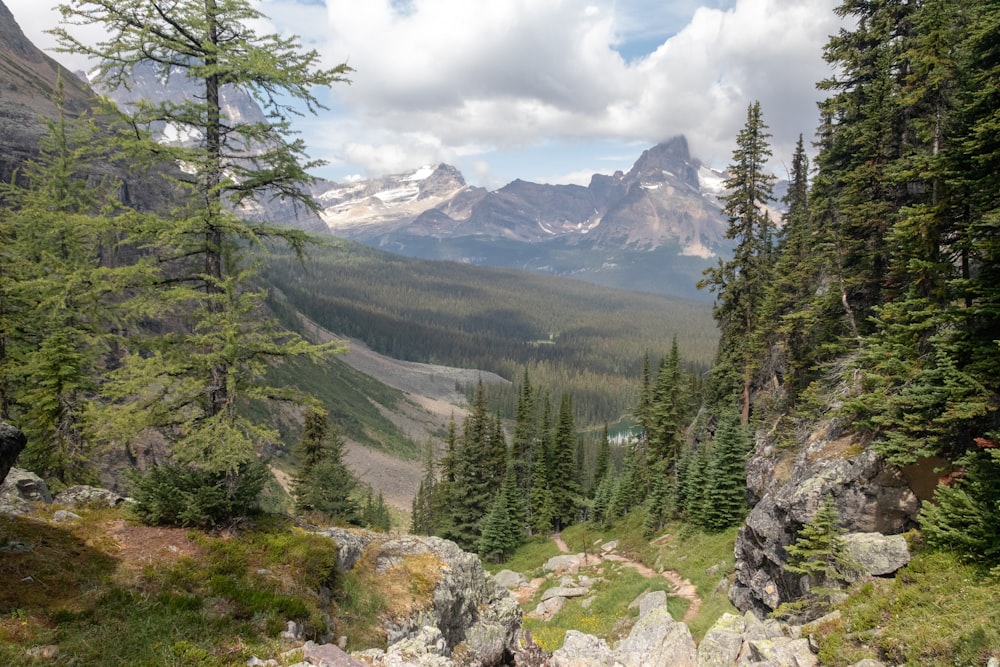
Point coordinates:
[(682, 587)]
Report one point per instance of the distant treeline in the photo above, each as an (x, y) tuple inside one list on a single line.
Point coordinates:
[(574, 336)]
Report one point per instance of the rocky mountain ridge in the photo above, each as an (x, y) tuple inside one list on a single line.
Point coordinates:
[(654, 228)]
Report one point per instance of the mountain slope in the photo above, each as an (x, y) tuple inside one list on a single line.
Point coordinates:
[(653, 229), (28, 86)]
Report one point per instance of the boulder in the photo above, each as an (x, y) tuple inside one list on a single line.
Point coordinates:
[(12, 443), (783, 651), (20, 489), (563, 563), (648, 601), (720, 647), (876, 554), (510, 579), (582, 650), (549, 608), (565, 592), (477, 619), (328, 655), (88, 496), (871, 496), (657, 639)]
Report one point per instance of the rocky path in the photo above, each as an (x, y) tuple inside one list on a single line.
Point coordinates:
[(682, 587)]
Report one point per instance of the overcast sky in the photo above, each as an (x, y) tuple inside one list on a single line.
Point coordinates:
[(548, 91)]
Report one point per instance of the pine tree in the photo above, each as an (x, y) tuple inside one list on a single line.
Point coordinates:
[(603, 461), (668, 409), (525, 436), (741, 283), (323, 484), (964, 515), (563, 480), (63, 295), (656, 504), (725, 479), (501, 532), (819, 555), (423, 520)]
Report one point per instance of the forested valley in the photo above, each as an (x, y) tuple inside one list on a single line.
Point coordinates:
[(872, 305)]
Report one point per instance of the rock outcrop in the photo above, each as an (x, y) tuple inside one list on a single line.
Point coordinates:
[(12, 443), (469, 618), (20, 489), (872, 496), (655, 639)]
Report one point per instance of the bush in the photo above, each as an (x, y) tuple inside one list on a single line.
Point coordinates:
[(174, 495)]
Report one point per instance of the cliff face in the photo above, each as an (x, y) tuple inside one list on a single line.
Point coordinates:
[(872, 496), (28, 86)]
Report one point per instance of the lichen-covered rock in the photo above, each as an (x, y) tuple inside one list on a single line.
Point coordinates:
[(657, 639), (781, 651), (876, 554), (871, 496), (582, 650), (477, 618), (88, 496), (350, 544), (20, 489), (721, 644)]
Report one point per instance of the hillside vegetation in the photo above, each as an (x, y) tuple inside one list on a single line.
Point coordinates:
[(574, 336)]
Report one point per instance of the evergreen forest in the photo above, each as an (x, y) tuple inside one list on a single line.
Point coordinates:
[(874, 300)]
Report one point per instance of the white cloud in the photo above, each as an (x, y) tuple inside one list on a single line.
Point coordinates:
[(503, 74), (463, 81)]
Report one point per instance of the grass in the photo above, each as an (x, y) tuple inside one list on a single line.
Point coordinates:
[(369, 595), (936, 612), (529, 558), (604, 616), (160, 596), (702, 558)]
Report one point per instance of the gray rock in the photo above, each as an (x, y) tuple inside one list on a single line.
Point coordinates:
[(869, 662), (649, 601), (350, 544), (657, 639), (88, 496), (475, 616), (608, 547), (510, 579), (783, 651), (871, 496), (549, 608), (563, 563), (24, 485), (64, 515), (877, 554), (582, 650), (721, 644), (565, 592), (328, 655), (12, 443)]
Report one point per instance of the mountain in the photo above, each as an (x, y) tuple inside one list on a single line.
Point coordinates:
[(651, 229), (28, 83)]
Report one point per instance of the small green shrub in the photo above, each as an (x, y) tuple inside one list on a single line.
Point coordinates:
[(174, 495)]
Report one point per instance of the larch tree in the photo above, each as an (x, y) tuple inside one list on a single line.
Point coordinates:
[(62, 294), (192, 383)]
